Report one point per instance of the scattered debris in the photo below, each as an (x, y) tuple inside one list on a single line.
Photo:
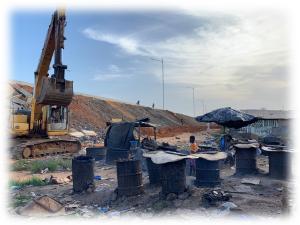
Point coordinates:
[(44, 171), (103, 209), (89, 132), (243, 188), (211, 198), (56, 180), (91, 188), (15, 187), (228, 206), (183, 196), (71, 207), (114, 196), (97, 177), (42, 206), (171, 197), (178, 203), (108, 168), (254, 181), (279, 189)]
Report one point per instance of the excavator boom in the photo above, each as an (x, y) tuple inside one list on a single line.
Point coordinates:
[(54, 90)]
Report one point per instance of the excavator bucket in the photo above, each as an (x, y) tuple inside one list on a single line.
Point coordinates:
[(54, 93)]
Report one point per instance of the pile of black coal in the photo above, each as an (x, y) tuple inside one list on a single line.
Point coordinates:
[(213, 197)]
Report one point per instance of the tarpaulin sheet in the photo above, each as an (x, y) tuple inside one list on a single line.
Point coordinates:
[(228, 117), (161, 157), (119, 135)]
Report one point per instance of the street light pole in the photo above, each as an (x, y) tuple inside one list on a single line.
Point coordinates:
[(163, 78), (194, 101), (163, 81), (194, 110)]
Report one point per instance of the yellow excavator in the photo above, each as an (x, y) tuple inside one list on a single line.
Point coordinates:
[(37, 132)]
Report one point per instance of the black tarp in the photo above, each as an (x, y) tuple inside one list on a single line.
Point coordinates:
[(119, 135), (228, 117)]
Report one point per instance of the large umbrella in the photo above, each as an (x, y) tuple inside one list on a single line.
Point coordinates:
[(228, 117)]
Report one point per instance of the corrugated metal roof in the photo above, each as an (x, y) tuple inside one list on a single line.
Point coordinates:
[(270, 114)]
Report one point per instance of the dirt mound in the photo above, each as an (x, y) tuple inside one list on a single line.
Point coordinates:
[(92, 113)]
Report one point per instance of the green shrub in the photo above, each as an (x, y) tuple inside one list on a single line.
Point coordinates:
[(21, 165), (39, 165), (65, 163), (20, 200), (36, 166)]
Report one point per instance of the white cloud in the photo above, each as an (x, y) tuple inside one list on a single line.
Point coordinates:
[(127, 44), (105, 77), (114, 68), (111, 73), (225, 59)]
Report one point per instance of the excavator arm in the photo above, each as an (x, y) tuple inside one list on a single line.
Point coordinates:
[(55, 90)]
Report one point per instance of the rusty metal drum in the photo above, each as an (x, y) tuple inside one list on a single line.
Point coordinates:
[(173, 177), (129, 175)]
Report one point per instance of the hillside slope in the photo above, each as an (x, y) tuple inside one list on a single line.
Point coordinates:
[(92, 113), (96, 112)]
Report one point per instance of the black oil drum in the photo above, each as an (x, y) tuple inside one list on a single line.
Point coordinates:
[(153, 171), (129, 174), (245, 160), (207, 173), (82, 173), (98, 153), (115, 154), (173, 177), (279, 164)]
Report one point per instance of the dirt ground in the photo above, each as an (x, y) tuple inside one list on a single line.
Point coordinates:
[(269, 198)]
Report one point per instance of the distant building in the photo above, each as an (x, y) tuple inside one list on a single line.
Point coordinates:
[(271, 122)]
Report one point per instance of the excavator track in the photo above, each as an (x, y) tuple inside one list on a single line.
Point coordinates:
[(35, 148)]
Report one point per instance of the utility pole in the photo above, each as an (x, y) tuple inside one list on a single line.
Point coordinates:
[(194, 101), (163, 81), (163, 78), (194, 110)]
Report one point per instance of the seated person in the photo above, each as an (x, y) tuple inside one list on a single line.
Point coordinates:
[(193, 149), (193, 146)]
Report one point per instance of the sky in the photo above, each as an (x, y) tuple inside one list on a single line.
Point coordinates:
[(237, 59)]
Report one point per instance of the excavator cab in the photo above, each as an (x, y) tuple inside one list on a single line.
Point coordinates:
[(57, 119)]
